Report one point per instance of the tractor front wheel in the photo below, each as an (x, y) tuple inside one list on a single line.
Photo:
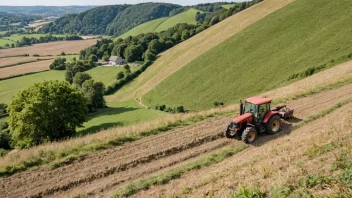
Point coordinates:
[(249, 135), (229, 133), (273, 126)]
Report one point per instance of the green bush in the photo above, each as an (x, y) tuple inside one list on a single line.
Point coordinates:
[(245, 192)]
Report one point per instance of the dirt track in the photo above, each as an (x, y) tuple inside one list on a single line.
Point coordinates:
[(101, 173)]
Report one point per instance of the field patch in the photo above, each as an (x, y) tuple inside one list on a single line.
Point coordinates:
[(144, 28), (184, 17), (107, 75), (263, 56), (118, 114), (25, 68), (53, 48)]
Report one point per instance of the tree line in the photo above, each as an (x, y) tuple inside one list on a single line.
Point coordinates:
[(24, 41)]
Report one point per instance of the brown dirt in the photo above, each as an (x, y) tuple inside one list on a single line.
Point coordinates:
[(267, 164), (25, 68), (53, 48), (101, 173), (177, 57), (16, 60)]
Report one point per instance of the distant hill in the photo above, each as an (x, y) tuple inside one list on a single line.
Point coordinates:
[(109, 20), (45, 11), (164, 23)]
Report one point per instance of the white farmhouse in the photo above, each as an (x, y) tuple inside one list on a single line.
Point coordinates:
[(117, 60)]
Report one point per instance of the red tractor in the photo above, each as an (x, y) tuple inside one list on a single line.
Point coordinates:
[(257, 117)]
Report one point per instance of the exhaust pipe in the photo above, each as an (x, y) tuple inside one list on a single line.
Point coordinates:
[(241, 107)]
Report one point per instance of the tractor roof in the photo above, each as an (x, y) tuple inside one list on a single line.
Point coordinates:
[(258, 100)]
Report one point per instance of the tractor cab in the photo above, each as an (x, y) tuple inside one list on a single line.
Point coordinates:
[(255, 117), (256, 106)]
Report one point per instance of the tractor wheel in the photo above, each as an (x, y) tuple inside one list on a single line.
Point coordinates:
[(229, 133), (273, 126), (249, 135)]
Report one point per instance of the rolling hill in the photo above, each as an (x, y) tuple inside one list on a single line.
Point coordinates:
[(296, 39), (109, 20), (175, 58), (164, 23)]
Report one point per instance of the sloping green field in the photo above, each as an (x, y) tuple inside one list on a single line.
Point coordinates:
[(147, 27), (185, 17), (228, 6), (162, 24), (303, 34), (10, 87)]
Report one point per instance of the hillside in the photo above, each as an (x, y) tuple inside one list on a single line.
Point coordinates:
[(164, 23), (175, 58), (295, 41), (196, 160), (149, 26), (184, 17), (109, 20)]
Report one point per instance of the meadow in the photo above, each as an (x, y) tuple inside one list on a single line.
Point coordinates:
[(107, 75), (295, 39), (228, 6), (17, 37), (162, 24)]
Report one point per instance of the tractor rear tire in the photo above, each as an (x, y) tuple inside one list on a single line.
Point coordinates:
[(249, 135), (274, 124), (227, 132)]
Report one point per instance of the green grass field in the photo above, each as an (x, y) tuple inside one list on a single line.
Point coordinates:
[(184, 17), (228, 6), (3, 42), (107, 75), (163, 24), (16, 37), (147, 27), (262, 56), (118, 114), (10, 87)]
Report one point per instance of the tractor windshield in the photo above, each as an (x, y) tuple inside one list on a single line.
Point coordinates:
[(250, 108)]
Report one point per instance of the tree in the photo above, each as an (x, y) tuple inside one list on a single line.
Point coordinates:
[(58, 64), (80, 78), (120, 75), (94, 93), (127, 68), (46, 111), (149, 56), (185, 35), (134, 53), (93, 58), (71, 70), (155, 46)]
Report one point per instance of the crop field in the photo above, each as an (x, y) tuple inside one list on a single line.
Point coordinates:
[(267, 54), (53, 48), (174, 59), (25, 68), (195, 160), (147, 27), (17, 60)]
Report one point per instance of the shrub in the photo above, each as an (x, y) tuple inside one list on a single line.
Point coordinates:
[(35, 55), (218, 104), (63, 54)]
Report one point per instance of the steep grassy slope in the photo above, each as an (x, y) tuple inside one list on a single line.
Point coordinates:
[(164, 23), (182, 54), (149, 26), (184, 17), (263, 56), (228, 6)]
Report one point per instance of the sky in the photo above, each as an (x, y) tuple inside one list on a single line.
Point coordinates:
[(101, 2)]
